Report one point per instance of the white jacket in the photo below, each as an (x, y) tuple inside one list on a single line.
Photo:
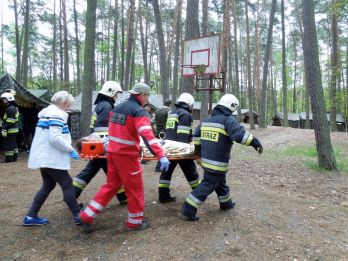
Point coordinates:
[(52, 141)]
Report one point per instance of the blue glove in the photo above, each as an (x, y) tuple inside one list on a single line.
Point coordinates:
[(164, 164), (74, 155)]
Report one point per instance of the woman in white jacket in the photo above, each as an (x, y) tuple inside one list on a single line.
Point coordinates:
[(50, 152)]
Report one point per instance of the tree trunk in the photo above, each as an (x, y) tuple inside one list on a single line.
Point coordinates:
[(284, 82), (143, 45), (326, 156), (294, 96), (151, 60), (54, 48), (66, 50), (77, 46), (132, 72), (236, 60), (122, 48), (162, 51), (335, 67), (250, 92), (18, 46), (257, 58), (263, 123), (61, 49), (191, 30), (306, 94), (2, 71), (346, 88), (108, 44), (89, 67), (178, 32), (130, 42), (25, 58), (273, 87), (114, 48), (225, 39), (204, 83)]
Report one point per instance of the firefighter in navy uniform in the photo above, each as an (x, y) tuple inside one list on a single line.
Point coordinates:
[(99, 125), (10, 128), (179, 128), (213, 139)]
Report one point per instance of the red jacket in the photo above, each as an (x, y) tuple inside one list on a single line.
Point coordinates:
[(127, 122)]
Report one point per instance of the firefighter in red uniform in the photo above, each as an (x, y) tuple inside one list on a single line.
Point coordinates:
[(127, 122)]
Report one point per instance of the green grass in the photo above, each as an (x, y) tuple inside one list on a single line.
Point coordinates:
[(289, 152), (310, 153)]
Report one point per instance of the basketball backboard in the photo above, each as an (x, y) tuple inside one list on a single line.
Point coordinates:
[(203, 52)]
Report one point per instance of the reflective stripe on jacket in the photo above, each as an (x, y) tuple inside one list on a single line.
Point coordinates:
[(127, 122), (52, 141), (215, 136), (10, 119), (179, 125)]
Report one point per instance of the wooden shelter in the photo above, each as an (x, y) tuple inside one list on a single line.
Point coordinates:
[(293, 120), (246, 116), (340, 122)]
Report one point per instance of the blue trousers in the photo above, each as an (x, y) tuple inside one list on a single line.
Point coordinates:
[(211, 182)]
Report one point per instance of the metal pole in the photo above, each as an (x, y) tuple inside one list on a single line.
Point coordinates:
[(211, 94)]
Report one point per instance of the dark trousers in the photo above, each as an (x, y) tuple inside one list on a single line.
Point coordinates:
[(189, 169), (10, 145), (211, 182), (88, 173), (50, 177)]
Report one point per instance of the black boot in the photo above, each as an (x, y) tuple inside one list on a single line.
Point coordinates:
[(77, 192), (187, 215), (15, 157), (8, 159), (122, 198), (227, 205), (157, 168), (164, 195)]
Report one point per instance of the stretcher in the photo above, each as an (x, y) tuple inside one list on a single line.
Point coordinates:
[(181, 157), (95, 150)]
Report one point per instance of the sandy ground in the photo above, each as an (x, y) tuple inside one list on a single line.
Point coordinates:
[(284, 211)]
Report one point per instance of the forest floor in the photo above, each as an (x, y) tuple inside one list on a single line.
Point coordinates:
[(286, 210)]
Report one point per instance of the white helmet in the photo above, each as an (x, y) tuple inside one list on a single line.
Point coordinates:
[(229, 101), (110, 88), (8, 96), (186, 98)]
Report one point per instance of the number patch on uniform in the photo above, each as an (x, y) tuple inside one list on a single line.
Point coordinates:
[(119, 118), (210, 135), (170, 124)]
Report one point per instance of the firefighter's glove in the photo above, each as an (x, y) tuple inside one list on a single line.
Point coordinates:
[(4, 133), (74, 155), (257, 145), (164, 164)]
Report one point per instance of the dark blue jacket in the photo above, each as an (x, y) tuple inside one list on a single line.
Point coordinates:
[(102, 110), (179, 124), (214, 139)]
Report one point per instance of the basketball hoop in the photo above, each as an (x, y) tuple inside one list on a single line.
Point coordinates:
[(201, 63), (199, 69)]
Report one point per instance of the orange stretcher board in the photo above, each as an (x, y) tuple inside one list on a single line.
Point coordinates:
[(191, 157)]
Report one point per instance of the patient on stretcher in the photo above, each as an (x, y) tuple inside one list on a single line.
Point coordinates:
[(95, 145)]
